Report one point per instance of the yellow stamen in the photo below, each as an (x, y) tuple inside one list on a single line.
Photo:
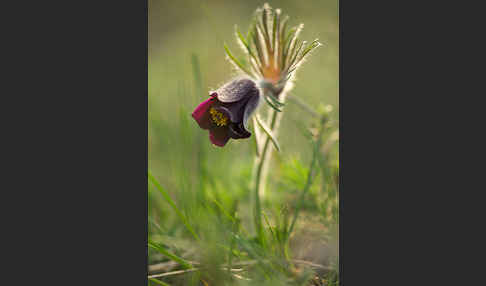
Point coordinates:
[(219, 118)]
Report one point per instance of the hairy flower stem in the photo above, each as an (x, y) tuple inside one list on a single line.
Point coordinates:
[(261, 165)]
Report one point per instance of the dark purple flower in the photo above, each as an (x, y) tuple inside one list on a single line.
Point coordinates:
[(225, 114)]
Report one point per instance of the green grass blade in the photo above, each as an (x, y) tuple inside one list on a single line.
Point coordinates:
[(157, 281), (201, 154), (172, 204), (226, 214), (172, 256), (269, 226), (303, 105)]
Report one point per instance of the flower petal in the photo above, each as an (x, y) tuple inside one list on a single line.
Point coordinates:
[(201, 115), (219, 136), (236, 90), (250, 108), (234, 110), (238, 131)]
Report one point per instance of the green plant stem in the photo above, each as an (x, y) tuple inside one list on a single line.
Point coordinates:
[(261, 165), (302, 104), (258, 176)]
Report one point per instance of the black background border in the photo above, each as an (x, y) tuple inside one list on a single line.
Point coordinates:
[(75, 206)]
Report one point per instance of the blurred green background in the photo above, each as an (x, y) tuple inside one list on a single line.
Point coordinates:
[(179, 29), (186, 60)]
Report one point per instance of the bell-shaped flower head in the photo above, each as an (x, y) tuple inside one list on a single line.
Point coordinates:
[(226, 112)]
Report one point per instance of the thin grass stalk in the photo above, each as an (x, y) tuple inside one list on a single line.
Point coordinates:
[(308, 184), (310, 177), (180, 260), (169, 200), (201, 154), (158, 282)]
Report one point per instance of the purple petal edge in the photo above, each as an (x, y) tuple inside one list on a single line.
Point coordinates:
[(218, 139), (200, 113)]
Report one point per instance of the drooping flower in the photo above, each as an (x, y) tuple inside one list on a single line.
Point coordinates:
[(226, 112)]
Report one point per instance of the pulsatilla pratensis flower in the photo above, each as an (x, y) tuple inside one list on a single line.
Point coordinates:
[(225, 114)]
